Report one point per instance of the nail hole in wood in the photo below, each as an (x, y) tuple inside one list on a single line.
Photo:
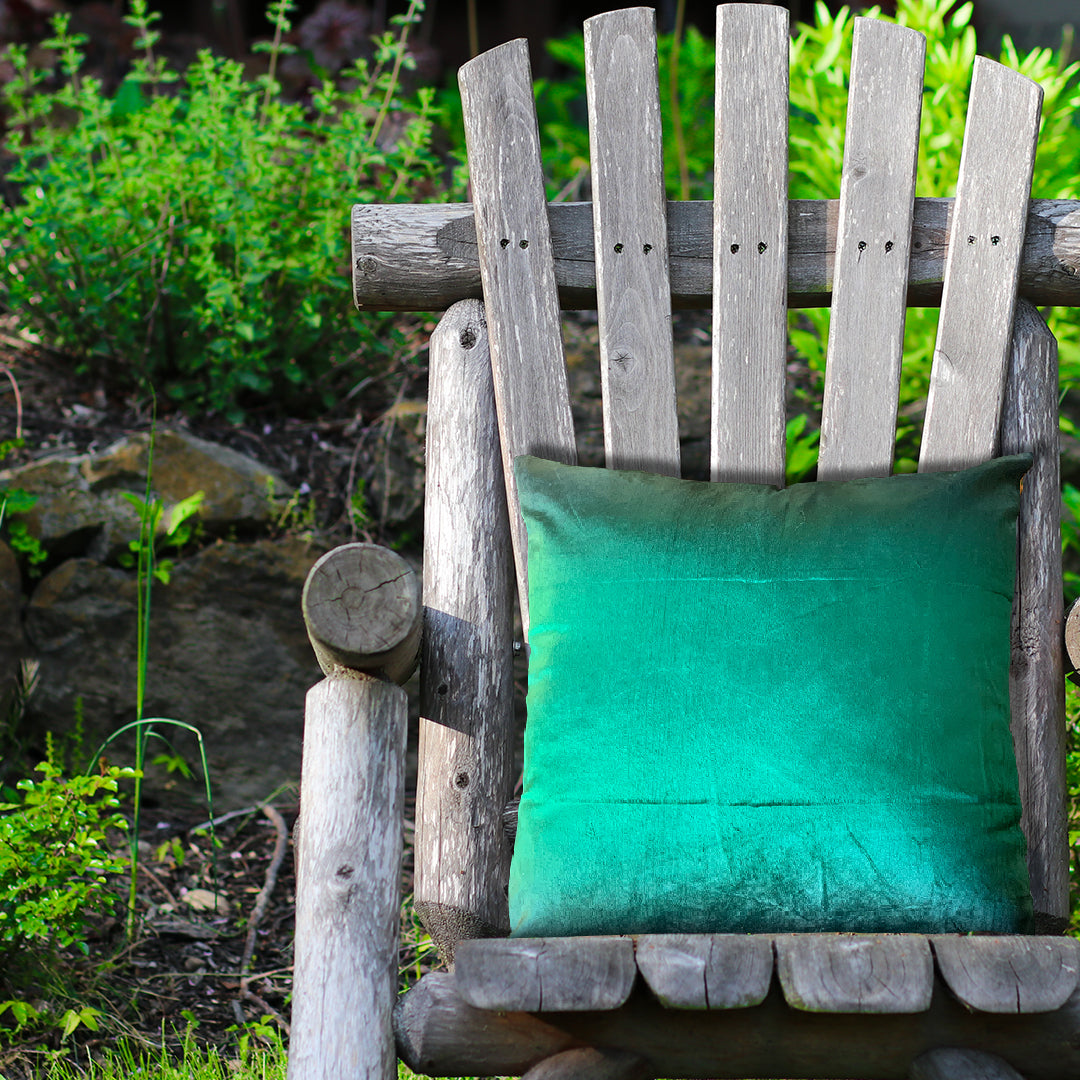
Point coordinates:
[(618, 249), (504, 242), (862, 245), (971, 239), (917, 245), (995, 240), (461, 780), (468, 338), (523, 244), (888, 246), (762, 247), (734, 249), (646, 249)]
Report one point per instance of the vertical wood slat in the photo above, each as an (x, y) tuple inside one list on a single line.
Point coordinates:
[(1036, 678), (520, 296), (637, 358), (349, 879), (877, 198), (750, 216), (466, 685), (967, 381)]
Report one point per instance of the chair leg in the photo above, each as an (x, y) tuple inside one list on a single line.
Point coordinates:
[(952, 1063), (586, 1063)]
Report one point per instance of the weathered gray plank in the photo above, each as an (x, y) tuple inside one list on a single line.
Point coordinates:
[(706, 971), (877, 194), (441, 1035), (546, 974), (466, 674), (637, 358), (587, 1063), (520, 295), (963, 408), (348, 879), (1036, 675), (750, 243), (952, 1063), (1009, 974), (361, 605), (855, 973), (423, 257)]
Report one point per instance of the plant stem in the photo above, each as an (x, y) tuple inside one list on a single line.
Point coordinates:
[(399, 56)]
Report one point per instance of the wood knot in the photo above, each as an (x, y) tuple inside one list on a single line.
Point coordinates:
[(461, 780), (367, 265)]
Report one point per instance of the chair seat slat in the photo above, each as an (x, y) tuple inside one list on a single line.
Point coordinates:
[(520, 295), (750, 217), (637, 360), (877, 193), (1009, 974), (967, 381)]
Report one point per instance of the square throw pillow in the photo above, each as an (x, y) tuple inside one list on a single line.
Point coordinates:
[(755, 710)]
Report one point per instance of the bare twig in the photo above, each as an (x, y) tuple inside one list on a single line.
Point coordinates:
[(18, 399), (261, 902)]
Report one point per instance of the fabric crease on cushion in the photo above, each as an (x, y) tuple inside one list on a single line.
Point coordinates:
[(754, 709)]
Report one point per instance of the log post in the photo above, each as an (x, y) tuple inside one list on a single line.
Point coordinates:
[(361, 605), (466, 675), (1036, 681)]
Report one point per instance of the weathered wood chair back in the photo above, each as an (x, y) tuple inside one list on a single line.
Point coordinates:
[(498, 389)]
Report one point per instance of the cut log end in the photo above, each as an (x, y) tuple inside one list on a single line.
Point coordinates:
[(1072, 642), (363, 612)]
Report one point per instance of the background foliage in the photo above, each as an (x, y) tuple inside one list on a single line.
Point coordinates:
[(190, 232)]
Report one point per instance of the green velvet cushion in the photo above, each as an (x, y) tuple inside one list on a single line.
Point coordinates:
[(756, 710)]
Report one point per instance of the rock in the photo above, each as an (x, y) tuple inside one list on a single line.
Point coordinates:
[(228, 654), (81, 506)]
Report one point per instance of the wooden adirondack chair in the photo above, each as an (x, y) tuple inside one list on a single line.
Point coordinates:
[(791, 1005)]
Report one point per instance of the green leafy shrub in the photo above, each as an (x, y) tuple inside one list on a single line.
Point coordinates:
[(55, 860), (191, 232), (821, 56)]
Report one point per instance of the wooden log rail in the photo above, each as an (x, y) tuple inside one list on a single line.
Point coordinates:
[(362, 607), (882, 1007), (424, 257)]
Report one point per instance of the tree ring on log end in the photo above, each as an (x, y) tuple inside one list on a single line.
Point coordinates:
[(362, 607)]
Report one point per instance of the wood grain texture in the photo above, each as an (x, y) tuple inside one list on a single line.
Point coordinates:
[(546, 974), (706, 971), (361, 605), (588, 1063), (772, 1039), (1036, 674), (1009, 974), (637, 357), (348, 880), (520, 295), (855, 973), (423, 257), (952, 1063), (967, 380), (466, 673), (877, 193), (750, 218)]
